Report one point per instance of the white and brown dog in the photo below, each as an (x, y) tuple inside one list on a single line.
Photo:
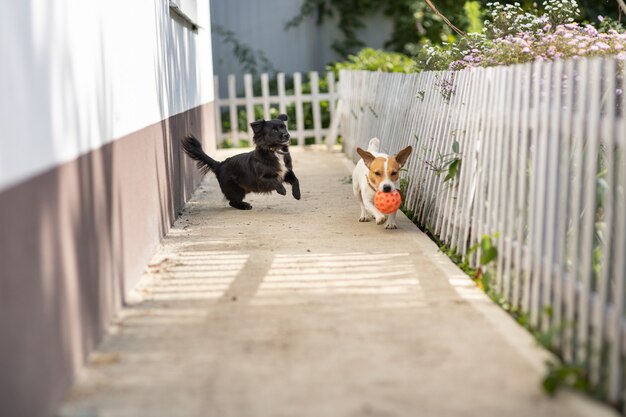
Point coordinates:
[(377, 172)]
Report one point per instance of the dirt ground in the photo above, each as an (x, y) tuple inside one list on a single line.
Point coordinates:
[(297, 309)]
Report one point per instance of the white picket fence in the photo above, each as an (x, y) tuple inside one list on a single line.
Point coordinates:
[(541, 171), (281, 100)]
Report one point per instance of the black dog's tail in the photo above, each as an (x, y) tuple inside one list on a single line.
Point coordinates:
[(204, 162)]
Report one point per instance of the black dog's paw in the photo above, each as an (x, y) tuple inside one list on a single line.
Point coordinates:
[(281, 190), (296, 193), (241, 205)]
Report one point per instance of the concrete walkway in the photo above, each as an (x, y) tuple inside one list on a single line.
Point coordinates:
[(296, 309)]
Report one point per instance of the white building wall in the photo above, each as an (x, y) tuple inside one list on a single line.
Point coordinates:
[(77, 74), (259, 24)]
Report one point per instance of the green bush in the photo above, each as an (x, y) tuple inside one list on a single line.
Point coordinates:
[(375, 60)]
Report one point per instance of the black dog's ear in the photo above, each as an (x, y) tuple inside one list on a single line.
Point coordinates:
[(257, 126), (283, 117)]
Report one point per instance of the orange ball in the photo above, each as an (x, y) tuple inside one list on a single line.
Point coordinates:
[(387, 203)]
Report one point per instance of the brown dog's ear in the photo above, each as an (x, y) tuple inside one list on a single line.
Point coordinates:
[(257, 126), (283, 117), (367, 157), (403, 155)]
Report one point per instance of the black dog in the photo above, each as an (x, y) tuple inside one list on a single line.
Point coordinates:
[(261, 171)]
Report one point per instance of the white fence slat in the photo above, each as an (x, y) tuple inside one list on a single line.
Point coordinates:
[(445, 147), (501, 175), (436, 152), (232, 93), (419, 154), (509, 172), (219, 135), (417, 164), (453, 133), (487, 152), (510, 192), (539, 191), (616, 320), (317, 117), (387, 117), (482, 190), (430, 152), (496, 158), (412, 124), (437, 149), (282, 103), (564, 139), (265, 95), (579, 81), (607, 165), (450, 215), (297, 82), (249, 94), (530, 291), (546, 191), (330, 77), (425, 148), (552, 175), (469, 167), (383, 115), (371, 99), (470, 161), (589, 205), (452, 191), (520, 277), (483, 152)]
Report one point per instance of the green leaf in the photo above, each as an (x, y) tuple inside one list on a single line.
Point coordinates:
[(551, 383), (488, 256), (453, 169), (455, 146)]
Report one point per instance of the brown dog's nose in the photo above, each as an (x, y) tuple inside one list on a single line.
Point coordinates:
[(386, 188)]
